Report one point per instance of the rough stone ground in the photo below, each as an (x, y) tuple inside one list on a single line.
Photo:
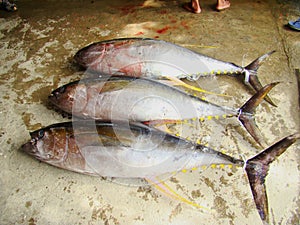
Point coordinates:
[(37, 44)]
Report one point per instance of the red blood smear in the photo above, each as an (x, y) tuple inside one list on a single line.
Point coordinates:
[(139, 33), (128, 9), (184, 24), (172, 19), (163, 30)]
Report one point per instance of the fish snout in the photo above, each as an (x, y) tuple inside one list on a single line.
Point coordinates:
[(87, 56), (57, 96), (30, 147), (83, 58), (56, 93)]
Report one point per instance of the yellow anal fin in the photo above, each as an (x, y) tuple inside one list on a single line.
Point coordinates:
[(177, 82), (167, 190)]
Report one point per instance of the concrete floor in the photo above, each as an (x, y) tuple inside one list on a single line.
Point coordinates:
[(37, 44)]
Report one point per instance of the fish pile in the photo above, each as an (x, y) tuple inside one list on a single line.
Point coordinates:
[(125, 97)]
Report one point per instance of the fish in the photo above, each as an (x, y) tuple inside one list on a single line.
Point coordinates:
[(148, 101), (134, 150), (152, 58)]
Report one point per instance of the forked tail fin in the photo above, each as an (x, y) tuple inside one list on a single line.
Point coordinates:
[(248, 109), (257, 170), (251, 71)]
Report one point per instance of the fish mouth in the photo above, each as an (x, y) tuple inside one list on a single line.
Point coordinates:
[(83, 58), (29, 148), (55, 95), (52, 98)]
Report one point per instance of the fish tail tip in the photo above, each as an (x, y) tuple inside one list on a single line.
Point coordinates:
[(257, 86), (255, 64), (257, 98), (253, 79)]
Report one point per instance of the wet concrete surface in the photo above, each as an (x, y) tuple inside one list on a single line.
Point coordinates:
[(37, 44)]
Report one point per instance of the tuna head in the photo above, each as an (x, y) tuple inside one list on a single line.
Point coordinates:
[(89, 55), (46, 147), (70, 98)]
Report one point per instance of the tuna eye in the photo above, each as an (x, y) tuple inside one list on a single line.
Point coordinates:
[(41, 134), (62, 89)]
